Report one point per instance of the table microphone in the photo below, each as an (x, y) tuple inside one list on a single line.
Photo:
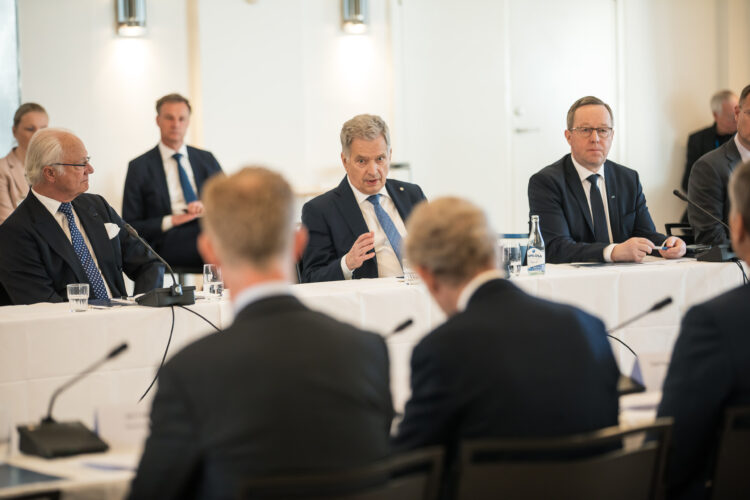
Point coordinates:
[(161, 297), (717, 253), (634, 383), (50, 439)]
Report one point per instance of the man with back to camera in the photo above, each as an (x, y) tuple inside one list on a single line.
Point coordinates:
[(163, 187), (356, 229), (590, 208), (504, 363), (710, 367), (284, 389), (710, 175), (60, 235)]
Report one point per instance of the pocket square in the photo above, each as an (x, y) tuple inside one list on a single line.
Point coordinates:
[(112, 229)]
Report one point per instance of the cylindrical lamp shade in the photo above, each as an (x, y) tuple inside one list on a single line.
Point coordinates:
[(354, 16), (131, 17)]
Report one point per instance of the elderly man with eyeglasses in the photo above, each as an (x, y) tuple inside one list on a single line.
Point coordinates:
[(591, 209), (59, 235)]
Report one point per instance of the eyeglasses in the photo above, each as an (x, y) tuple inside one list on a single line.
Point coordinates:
[(86, 163), (602, 132)]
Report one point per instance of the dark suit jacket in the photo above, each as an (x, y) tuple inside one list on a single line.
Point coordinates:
[(335, 221), (700, 143), (283, 390), (38, 261), (146, 201), (709, 371), (556, 195), (708, 188), (510, 365)]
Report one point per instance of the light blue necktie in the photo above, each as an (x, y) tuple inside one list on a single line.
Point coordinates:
[(387, 224), (187, 188), (95, 277)]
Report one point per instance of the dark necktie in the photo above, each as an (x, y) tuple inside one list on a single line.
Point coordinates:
[(93, 274), (601, 234), (387, 224), (187, 188)]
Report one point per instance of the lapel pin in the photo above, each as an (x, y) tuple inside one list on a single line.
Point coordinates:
[(401, 188), (613, 197)]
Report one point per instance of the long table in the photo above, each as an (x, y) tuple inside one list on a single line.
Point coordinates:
[(43, 345)]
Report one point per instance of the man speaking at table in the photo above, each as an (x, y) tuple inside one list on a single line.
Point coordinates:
[(58, 235), (710, 367), (284, 389), (590, 208), (356, 229), (504, 363)]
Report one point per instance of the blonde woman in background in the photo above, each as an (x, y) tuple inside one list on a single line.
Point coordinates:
[(29, 118)]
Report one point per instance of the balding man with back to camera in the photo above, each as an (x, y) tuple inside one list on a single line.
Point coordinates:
[(284, 389), (504, 363), (356, 229)]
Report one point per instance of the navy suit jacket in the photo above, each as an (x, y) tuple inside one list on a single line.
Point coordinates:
[(510, 365), (283, 390), (146, 201), (556, 195), (335, 221), (708, 184), (38, 260), (709, 372)]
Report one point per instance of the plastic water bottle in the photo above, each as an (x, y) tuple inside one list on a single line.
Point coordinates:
[(535, 252)]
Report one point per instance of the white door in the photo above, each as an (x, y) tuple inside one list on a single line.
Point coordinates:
[(559, 51)]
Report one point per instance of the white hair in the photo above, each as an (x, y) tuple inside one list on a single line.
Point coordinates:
[(45, 148)]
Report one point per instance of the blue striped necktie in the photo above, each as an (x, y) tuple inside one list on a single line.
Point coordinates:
[(93, 274), (387, 224), (187, 188)]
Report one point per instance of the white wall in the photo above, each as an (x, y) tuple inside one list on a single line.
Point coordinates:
[(100, 86)]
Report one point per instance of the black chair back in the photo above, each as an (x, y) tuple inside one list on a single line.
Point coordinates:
[(684, 231), (610, 463), (732, 476), (410, 476)]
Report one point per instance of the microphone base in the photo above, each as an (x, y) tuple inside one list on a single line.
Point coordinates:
[(163, 297), (718, 253), (58, 439)]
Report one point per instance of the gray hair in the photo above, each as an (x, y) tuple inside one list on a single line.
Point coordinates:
[(367, 127), (717, 100), (45, 148)]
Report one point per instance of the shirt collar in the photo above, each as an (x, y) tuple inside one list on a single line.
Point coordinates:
[(258, 292), (167, 152), (50, 204), (472, 286), (362, 197), (584, 172), (744, 152)]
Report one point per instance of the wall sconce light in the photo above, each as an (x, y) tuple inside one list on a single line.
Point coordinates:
[(354, 16), (131, 17)]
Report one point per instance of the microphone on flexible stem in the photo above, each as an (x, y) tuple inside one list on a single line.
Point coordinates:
[(634, 383), (52, 439), (401, 327), (161, 297), (717, 253)]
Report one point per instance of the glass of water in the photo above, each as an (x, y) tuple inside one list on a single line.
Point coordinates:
[(78, 297), (410, 275), (213, 285), (512, 257)]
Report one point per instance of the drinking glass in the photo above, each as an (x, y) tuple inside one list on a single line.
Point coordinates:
[(78, 296), (512, 258), (410, 276), (213, 285)]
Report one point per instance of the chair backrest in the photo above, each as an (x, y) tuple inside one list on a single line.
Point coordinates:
[(731, 476), (409, 476), (611, 463), (685, 231)]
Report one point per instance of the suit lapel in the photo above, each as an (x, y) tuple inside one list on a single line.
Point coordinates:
[(48, 228), (156, 165), (347, 206), (402, 202), (575, 187), (612, 204), (198, 172), (93, 224), (732, 154)]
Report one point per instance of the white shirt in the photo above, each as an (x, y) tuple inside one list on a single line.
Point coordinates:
[(744, 152), (472, 286), (388, 264), (172, 173), (258, 292), (583, 174), (53, 206)]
